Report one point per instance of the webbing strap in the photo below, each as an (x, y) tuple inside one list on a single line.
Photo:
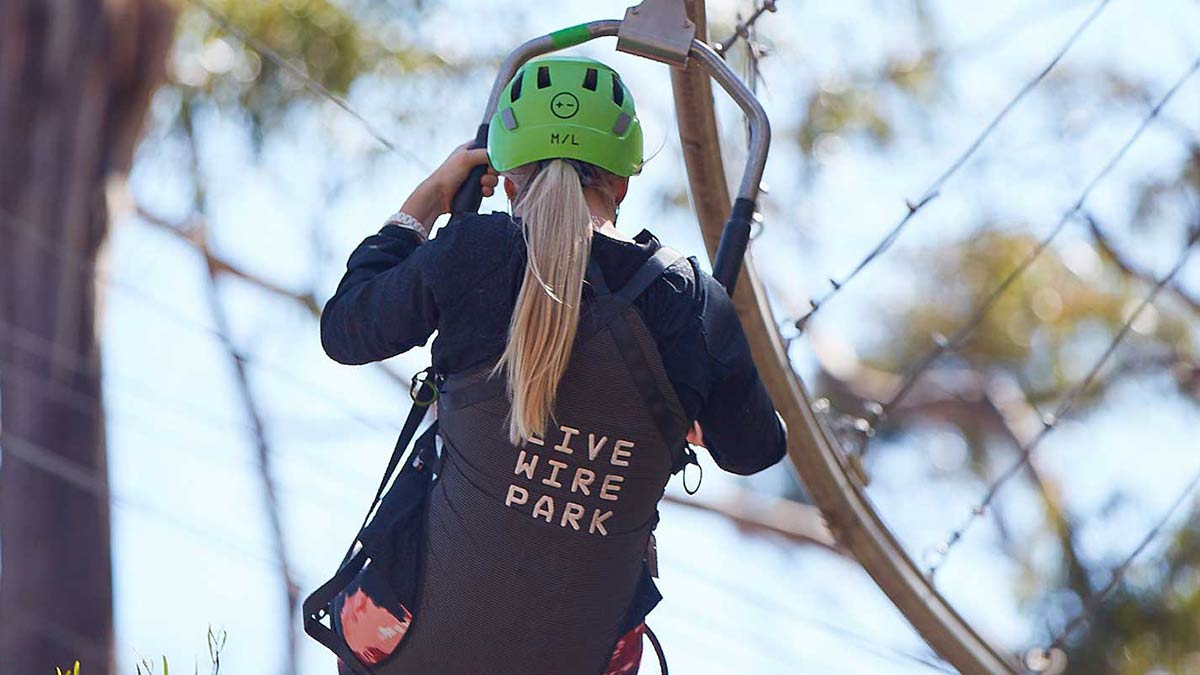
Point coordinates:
[(610, 307), (595, 279), (669, 426), (613, 315), (425, 392), (653, 268), (319, 604)]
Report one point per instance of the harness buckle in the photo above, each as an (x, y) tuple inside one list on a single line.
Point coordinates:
[(659, 30), (429, 381), (652, 556), (690, 459)]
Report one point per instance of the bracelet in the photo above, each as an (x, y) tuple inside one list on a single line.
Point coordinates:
[(402, 219)]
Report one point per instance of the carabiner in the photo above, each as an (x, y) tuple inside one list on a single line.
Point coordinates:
[(690, 459), (425, 379)]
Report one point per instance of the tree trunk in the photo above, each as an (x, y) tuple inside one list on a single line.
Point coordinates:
[(75, 83)]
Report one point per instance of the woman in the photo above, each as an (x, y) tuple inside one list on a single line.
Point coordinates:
[(576, 362)]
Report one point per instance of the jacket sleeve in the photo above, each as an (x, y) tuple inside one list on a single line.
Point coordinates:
[(741, 429), (385, 303)]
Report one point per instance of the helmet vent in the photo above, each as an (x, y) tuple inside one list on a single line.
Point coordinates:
[(618, 90), (622, 124), (508, 118), (589, 79), (516, 87), (543, 77)]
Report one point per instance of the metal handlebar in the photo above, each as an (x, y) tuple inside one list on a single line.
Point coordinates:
[(736, 236)]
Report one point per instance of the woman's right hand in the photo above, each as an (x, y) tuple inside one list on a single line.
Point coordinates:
[(447, 178), (433, 196)]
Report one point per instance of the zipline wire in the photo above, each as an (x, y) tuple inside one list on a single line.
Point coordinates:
[(943, 345), (745, 29), (33, 344), (87, 404), (1117, 574), (81, 478), (50, 463), (1050, 422), (16, 448), (779, 609), (935, 187), (87, 480), (22, 228), (267, 52)]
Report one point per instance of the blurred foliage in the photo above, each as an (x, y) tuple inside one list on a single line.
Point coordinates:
[(1052, 322), (863, 107), (1150, 625), (1044, 333), (334, 48)]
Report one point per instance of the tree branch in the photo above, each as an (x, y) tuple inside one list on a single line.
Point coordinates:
[(250, 403), (190, 234), (968, 399), (759, 514), (1108, 249)]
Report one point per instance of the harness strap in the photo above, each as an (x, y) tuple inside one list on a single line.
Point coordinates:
[(595, 279), (424, 392), (318, 605), (670, 427), (653, 268)]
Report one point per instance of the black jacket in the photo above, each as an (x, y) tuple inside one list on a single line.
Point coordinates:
[(463, 284)]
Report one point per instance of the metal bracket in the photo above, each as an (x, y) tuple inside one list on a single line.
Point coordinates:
[(658, 30)]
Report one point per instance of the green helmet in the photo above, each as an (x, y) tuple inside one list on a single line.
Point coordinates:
[(564, 107)]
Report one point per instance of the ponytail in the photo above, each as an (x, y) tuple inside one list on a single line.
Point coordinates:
[(558, 236)]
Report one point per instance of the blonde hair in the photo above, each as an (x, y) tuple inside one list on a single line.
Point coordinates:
[(558, 236)]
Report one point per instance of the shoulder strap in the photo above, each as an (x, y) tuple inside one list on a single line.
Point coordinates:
[(653, 268), (613, 316), (626, 295), (670, 425), (595, 279), (610, 306)]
